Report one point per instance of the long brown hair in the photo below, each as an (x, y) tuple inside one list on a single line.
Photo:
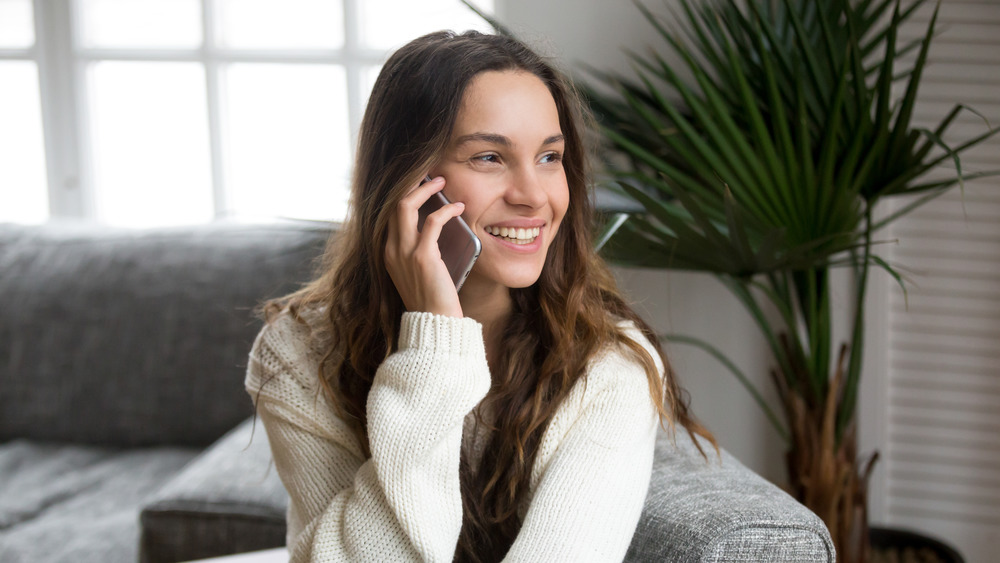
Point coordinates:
[(556, 325)]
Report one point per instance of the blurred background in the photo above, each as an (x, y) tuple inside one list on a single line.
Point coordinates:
[(138, 113), (161, 112)]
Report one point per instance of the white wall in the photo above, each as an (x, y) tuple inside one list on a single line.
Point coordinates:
[(591, 31)]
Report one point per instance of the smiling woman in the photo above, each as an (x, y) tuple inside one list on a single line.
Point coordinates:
[(505, 164), (514, 420)]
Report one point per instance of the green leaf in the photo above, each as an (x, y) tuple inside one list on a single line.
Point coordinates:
[(910, 97), (879, 261), (737, 232), (609, 229)]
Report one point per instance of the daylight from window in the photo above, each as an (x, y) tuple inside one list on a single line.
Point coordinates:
[(163, 112)]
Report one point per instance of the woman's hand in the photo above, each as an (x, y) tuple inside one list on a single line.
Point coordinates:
[(413, 258)]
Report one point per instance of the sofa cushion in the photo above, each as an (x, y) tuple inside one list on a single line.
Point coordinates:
[(137, 337), (77, 504), (228, 500)]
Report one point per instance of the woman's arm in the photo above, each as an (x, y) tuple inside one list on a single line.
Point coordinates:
[(404, 503), (593, 469)]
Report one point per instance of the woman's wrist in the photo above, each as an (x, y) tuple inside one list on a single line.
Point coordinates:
[(440, 332)]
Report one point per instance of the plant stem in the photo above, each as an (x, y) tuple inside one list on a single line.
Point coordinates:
[(848, 401)]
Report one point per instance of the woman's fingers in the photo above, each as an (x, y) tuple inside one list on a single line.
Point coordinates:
[(407, 210), (413, 257), (434, 223)]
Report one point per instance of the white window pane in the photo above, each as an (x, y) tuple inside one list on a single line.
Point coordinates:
[(387, 24), (281, 24), (149, 127), (17, 25), (286, 136), (23, 195), (140, 23)]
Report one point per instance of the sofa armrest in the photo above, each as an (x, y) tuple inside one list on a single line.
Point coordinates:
[(229, 499), (719, 510)]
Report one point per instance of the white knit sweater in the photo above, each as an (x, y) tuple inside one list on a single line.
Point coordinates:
[(404, 503)]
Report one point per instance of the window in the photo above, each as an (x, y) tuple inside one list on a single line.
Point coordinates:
[(180, 111), (23, 195)]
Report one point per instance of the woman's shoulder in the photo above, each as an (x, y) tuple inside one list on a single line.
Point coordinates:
[(613, 395), (624, 357), (618, 367), (290, 344)]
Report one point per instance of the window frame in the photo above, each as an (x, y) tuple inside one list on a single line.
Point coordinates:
[(62, 63)]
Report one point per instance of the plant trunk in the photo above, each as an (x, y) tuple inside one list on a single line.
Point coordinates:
[(824, 473), (829, 482)]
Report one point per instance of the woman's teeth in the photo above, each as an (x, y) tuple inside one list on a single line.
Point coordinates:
[(515, 235)]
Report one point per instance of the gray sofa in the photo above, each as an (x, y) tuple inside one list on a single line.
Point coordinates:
[(125, 433)]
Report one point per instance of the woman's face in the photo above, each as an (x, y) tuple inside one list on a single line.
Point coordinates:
[(504, 161)]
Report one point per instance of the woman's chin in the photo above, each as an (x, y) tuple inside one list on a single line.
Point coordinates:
[(511, 278)]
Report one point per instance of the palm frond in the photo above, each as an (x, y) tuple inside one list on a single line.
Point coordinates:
[(760, 138)]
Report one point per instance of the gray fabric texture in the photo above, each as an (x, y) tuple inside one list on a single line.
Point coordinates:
[(77, 504), (113, 337), (717, 510), (228, 500)]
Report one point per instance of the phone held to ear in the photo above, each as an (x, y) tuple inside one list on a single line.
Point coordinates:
[(459, 246)]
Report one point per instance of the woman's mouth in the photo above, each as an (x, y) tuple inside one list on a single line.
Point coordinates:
[(515, 235)]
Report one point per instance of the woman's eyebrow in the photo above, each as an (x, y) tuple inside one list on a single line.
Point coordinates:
[(492, 138), (497, 139), (554, 139)]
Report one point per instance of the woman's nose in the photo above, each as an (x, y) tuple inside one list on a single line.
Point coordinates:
[(526, 188)]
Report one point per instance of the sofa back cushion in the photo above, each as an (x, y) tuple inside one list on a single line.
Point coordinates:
[(133, 338)]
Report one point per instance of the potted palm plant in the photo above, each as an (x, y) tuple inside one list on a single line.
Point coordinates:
[(759, 146)]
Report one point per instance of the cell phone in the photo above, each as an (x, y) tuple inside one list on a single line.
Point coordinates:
[(460, 247)]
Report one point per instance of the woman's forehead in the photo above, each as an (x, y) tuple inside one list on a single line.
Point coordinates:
[(507, 105)]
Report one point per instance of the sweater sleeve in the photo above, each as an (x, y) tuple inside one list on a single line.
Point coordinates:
[(597, 458), (404, 503)]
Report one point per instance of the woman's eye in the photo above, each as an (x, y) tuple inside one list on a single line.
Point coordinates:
[(552, 157), (489, 158)]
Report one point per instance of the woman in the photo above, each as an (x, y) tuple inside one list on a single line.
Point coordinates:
[(514, 420)]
